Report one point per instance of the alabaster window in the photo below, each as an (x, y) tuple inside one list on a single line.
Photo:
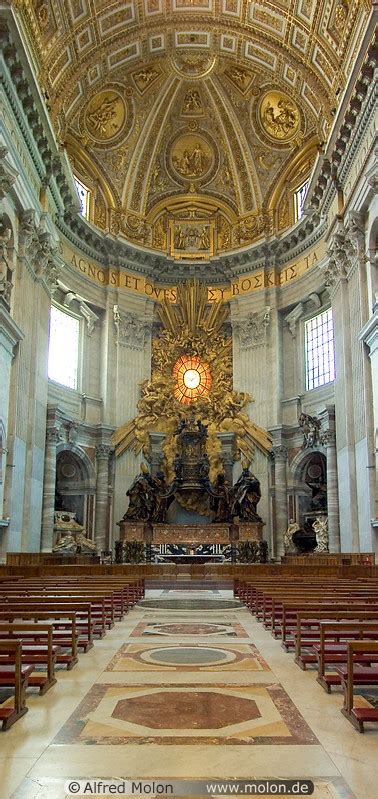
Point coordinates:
[(63, 366), (320, 351), (84, 197), (299, 200)]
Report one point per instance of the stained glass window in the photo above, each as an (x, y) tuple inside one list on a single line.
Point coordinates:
[(84, 196), (192, 379), (320, 351), (299, 200), (63, 362)]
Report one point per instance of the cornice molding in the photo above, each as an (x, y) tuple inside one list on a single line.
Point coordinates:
[(331, 172)]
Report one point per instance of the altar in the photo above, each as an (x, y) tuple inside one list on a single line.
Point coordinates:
[(190, 534), (231, 528)]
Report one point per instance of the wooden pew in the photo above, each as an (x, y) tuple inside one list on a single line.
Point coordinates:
[(102, 614), (64, 624), (352, 675), (115, 598), (292, 634), (308, 627), (13, 674), (83, 615), (336, 653), (37, 648)]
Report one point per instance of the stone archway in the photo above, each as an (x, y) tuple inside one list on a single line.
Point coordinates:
[(75, 485)]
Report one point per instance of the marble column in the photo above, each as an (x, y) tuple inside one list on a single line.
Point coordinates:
[(329, 441), (49, 481), (280, 498), (102, 497)]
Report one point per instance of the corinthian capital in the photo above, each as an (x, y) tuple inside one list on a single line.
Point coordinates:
[(340, 254), (103, 451), (252, 330), (279, 453), (131, 330)]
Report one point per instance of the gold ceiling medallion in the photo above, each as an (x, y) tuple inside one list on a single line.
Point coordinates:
[(192, 159), (279, 116), (193, 65), (105, 115)]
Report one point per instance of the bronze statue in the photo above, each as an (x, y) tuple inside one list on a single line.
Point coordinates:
[(163, 495), (221, 500), (319, 494), (203, 469), (141, 496), (246, 496), (178, 467)]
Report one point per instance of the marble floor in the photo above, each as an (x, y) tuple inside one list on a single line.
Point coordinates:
[(178, 693)]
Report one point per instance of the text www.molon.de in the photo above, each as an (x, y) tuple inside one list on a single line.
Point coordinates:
[(119, 787)]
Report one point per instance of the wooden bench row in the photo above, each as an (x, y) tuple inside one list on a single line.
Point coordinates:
[(44, 624), (332, 626)]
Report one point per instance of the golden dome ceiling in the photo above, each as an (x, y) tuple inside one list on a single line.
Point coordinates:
[(193, 121)]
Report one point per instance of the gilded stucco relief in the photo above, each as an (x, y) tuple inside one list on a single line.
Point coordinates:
[(193, 122)]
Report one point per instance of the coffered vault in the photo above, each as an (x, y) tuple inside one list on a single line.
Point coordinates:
[(192, 122)]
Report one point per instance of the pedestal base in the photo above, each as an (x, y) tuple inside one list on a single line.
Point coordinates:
[(132, 531), (250, 531)]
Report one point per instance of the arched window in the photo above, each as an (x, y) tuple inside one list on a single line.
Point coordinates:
[(63, 365), (320, 352), (299, 200), (84, 197)]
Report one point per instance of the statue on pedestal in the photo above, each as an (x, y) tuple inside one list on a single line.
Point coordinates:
[(247, 494), (141, 496), (163, 495), (221, 500)]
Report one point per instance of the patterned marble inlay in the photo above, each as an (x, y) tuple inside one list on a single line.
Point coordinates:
[(124, 714), (193, 657), (226, 629)]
